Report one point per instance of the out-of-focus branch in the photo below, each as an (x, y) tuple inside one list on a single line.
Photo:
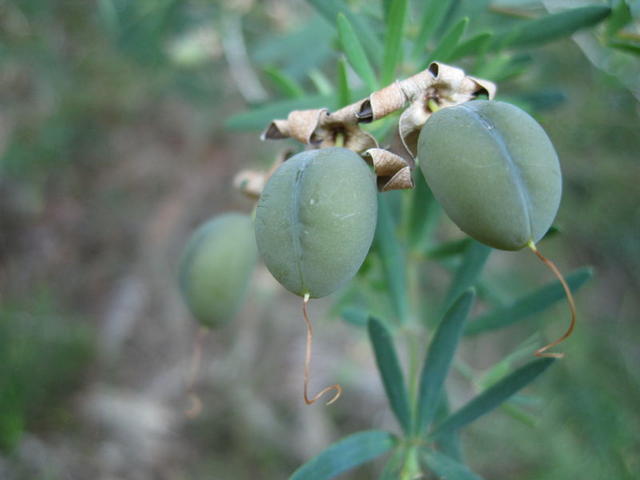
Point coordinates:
[(235, 52)]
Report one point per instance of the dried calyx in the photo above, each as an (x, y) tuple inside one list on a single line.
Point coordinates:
[(392, 171), (444, 84), (440, 84), (252, 182)]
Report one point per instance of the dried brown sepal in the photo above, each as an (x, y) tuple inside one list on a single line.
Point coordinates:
[(392, 171), (322, 129), (300, 125), (440, 84), (449, 86), (381, 103), (341, 128), (252, 182), (402, 180)]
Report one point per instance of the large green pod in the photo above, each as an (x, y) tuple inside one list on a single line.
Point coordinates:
[(216, 268), (316, 219), (494, 171)]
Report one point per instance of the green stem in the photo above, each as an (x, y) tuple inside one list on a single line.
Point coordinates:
[(411, 469)]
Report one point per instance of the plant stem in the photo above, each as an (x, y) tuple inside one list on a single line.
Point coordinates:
[(411, 469)]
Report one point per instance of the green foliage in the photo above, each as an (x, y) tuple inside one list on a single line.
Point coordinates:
[(390, 371), (42, 357), (527, 305), (393, 260), (474, 258), (447, 467), (346, 454), (493, 397), (450, 41), (287, 85), (439, 358), (355, 52), (394, 40), (551, 27), (433, 15)]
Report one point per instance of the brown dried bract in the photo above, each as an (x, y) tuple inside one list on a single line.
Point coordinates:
[(252, 182), (448, 86), (439, 85), (322, 129), (393, 171), (300, 125)]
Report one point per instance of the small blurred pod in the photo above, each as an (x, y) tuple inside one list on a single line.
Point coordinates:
[(216, 267)]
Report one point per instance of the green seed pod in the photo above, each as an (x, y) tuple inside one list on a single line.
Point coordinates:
[(316, 219), (216, 267), (494, 171)]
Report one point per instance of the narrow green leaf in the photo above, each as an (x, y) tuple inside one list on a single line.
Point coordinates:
[(528, 305), (449, 442), (344, 94), (471, 46), (259, 117), (448, 249), (393, 40), (356, 55), (519, 414), (390, 372), (500, 369), (620, 17), (386, 7), (355, 316), (439, 357), (501, 67), (346, 454), (626, 47), (475, 256), (423, 212), (329, 9), (449, 42), (494, 396), (551, 27), (447, 468), (393, 260), (433, 13), (321, 82), (284, 83)]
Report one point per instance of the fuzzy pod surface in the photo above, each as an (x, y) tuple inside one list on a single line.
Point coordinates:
[(494, 171), (216, 267), (316, 219)]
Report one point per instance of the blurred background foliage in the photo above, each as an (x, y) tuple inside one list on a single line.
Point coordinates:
[(121, 128)]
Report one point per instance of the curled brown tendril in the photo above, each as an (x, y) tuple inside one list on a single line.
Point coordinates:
[(307, 362), (195, 404), (542, 352)]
